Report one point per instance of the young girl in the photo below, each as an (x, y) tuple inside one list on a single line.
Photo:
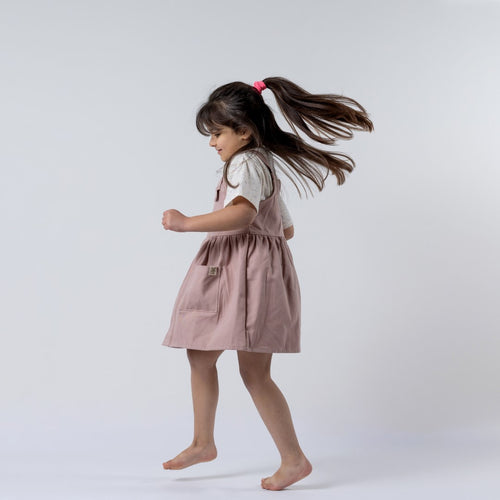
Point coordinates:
[(241, 291)]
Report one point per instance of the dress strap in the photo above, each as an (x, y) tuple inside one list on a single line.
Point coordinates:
[(270, 166)]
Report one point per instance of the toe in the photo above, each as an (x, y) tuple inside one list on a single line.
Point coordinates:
[(266, 484)]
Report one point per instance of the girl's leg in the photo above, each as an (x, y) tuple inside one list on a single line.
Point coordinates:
[(205, 392), (255, 369)]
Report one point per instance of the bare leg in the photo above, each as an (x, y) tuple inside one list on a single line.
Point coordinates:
[(255, 369), (205, 391)]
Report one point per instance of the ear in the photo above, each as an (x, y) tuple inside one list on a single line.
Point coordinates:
[(245, 134)]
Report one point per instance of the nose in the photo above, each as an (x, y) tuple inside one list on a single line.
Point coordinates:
[(212, 141)]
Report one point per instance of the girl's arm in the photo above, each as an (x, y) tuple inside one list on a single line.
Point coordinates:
[(238, 214)]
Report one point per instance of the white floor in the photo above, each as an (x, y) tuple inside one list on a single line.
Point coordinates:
[(125, 463)]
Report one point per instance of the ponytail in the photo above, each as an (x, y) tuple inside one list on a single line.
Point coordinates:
[(324, 118), (327, 113)]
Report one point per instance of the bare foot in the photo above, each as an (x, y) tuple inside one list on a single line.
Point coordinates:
[(287, 475), (190, 456)]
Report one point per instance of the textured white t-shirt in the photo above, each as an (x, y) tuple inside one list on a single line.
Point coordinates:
[(254, 182)]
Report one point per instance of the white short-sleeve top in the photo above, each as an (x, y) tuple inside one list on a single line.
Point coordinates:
[(253, 181)]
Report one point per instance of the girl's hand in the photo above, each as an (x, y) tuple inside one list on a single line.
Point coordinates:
[(174, 220)]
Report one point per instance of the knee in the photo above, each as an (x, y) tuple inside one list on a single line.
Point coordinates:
[(254, 378), (201, 360)]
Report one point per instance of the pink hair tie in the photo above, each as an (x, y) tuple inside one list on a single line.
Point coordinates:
[(260, 86)]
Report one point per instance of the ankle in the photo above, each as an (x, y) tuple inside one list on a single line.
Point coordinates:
[(293, 459), (203, 443)]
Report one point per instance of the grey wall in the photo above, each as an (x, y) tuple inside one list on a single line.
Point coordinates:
[(398, 267)]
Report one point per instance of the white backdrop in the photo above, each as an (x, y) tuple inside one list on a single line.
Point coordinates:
[(398, 267)]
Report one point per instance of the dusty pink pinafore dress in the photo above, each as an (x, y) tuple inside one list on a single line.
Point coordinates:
[(241, 291)]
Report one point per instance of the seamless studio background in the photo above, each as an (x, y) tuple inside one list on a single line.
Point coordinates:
[(397, 382)]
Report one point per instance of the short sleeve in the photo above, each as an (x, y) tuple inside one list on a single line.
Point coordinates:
[(285, 214), (248, 179)]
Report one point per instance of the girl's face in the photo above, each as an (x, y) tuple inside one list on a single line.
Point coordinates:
[(227, 141)]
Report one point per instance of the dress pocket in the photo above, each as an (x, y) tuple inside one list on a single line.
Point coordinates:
[(201, 290), (257, 301)]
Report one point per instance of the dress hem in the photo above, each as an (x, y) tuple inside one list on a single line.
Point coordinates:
[(234, 348)]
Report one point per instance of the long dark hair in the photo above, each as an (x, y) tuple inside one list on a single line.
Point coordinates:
[(324, 118)]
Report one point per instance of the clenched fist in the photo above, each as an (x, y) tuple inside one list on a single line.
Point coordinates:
[(174, 220)]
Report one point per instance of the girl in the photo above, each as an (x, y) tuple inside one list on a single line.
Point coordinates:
[(241, 291)]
